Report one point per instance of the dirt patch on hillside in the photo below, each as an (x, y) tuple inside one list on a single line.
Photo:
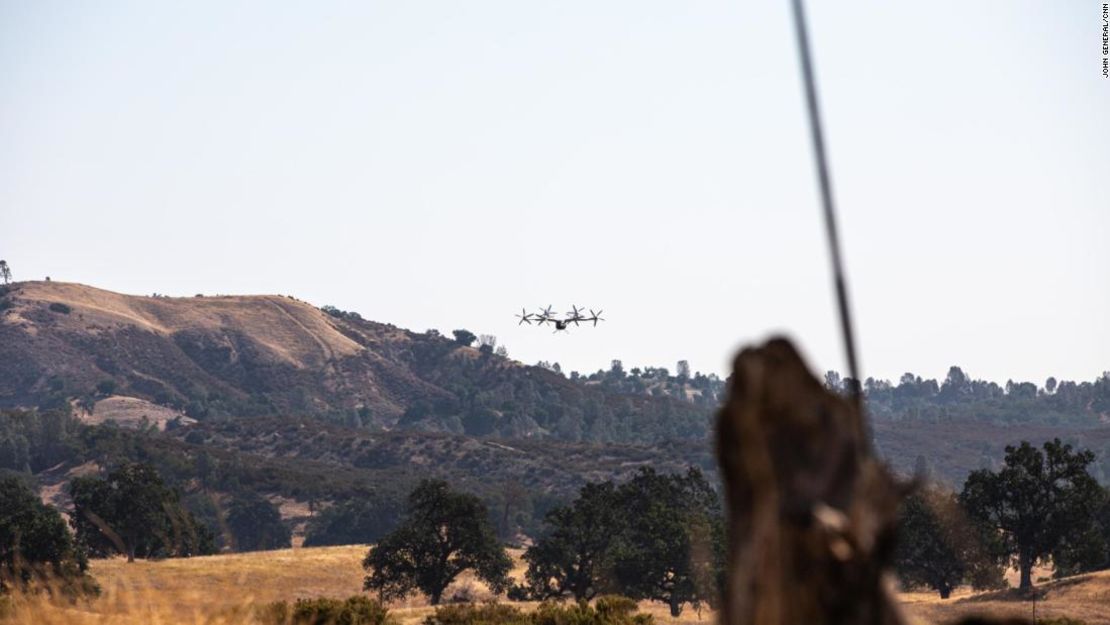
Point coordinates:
[(296, 514), (54, 481), (132, 412)]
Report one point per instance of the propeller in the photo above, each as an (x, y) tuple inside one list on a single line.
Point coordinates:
[(596, 316), (575, 314), (525, 317)]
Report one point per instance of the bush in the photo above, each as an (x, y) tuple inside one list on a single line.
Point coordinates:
[(492, 613), (606, 610), (59, 307), (356, 610), (464, 337), (340, 314)]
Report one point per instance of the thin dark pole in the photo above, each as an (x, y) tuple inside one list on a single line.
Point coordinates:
[(825, 182)]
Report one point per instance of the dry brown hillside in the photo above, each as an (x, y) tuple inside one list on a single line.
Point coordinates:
[(258, 353), (126, 358)]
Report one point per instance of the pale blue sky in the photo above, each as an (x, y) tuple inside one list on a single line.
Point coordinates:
[(441, 164)]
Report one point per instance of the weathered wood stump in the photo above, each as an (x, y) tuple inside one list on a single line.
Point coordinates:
[(811, 513)]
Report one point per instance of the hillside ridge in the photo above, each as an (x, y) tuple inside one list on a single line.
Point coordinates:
[(253, 355)]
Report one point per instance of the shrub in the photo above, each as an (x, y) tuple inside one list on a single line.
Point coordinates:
[(607, 610), (59, 307), (356, 610), (340, 314), (464, 337), (492, 613)]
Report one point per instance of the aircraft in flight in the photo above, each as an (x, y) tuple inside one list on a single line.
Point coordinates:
[(545, 315)]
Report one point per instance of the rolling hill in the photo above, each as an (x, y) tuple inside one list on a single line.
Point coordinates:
[(303, 404), (234, 356)]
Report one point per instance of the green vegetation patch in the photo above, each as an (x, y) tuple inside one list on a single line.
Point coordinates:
[(356, 610)]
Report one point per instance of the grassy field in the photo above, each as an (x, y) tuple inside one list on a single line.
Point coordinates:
[(224, 589)]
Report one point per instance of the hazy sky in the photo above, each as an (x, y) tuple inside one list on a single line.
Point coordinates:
[(441, 164)]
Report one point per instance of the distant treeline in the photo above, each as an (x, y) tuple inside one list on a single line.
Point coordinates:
[(956, 397)]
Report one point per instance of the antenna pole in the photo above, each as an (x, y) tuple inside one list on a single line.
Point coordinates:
[(817, 136)]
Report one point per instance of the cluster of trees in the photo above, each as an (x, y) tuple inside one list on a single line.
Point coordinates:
[(35, 544), (255, 524), (485, 397), (131, 511), (31, 441), (698, 388), (959, 396), (354, 521), (1042, 506), (340, 314), (661, 536), (656, 536), (222, 492)]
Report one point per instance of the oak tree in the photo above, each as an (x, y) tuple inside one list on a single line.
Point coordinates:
[(1037, 502), (444, 534), (571, 558)]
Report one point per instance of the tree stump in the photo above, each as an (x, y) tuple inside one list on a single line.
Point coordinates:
[(811, 512)]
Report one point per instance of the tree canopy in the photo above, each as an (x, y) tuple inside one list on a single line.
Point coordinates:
[(571, 558), (355, 521), (34, 540), (255, 524), (464, 337), (672, 549), (132, 511), (657, 536), (443, 534), (939, 547), (1037, 502)]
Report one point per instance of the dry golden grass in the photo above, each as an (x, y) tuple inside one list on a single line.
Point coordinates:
[(225, 589), (1084, 597), (290, 331)]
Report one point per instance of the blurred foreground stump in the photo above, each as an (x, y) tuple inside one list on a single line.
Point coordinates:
[(811, 513)]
